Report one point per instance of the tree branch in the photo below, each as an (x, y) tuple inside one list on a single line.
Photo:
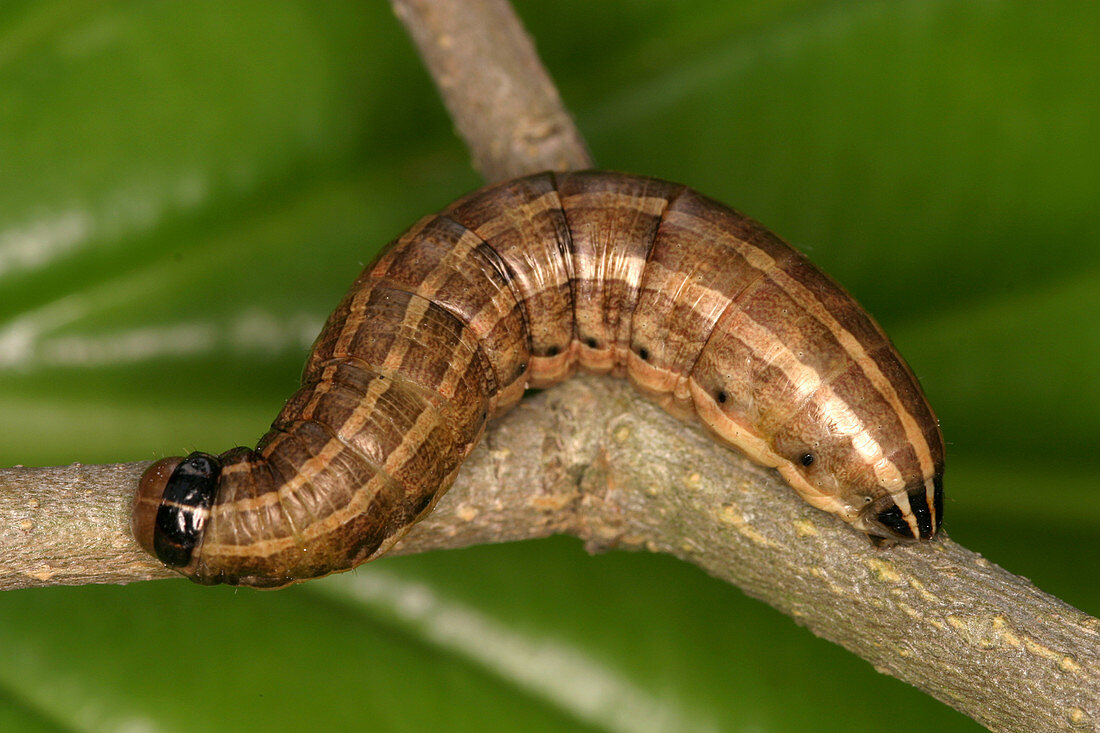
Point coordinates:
[(592, 459), (501, 99), (611, 468)]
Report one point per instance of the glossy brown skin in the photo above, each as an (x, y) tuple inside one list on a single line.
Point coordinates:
[(517, 286)]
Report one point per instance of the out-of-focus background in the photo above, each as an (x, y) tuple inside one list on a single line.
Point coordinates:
[(187, 189)]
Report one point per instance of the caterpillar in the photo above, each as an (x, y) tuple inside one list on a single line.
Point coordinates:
[(518, 285)]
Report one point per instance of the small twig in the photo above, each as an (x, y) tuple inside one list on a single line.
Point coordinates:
[(501, 99)]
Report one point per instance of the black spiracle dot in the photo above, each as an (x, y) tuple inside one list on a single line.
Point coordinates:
[(721, 396), (643, 353), (807, 459), (553, 351), (592, 343)]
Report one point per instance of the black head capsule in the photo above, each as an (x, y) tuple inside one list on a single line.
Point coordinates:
[(172, 506)]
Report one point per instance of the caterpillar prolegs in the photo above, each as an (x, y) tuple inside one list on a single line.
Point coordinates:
[(518, 285)]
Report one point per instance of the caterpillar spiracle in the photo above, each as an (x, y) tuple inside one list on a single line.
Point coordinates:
[(518, 285)]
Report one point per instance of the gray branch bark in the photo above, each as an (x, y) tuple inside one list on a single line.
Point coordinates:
[(502, 101), (592, 459)]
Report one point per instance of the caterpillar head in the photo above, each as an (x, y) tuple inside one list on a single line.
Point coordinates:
[(172, 505)]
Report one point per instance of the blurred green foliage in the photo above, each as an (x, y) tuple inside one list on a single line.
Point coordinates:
[(186, 189)]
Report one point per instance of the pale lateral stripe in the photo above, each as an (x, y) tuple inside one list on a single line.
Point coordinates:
[(561, 275), (374, 390), (393, 360), (360, 498), (280, 496), (269, 546), (879, 381), (507, 221), (527, 211), (743, 437), (759, 338), (467, 243), (486, 319), (495, 310), (652, 205), (381, 266), (243, 467), (902, 500), (760, 260), (313, 466), (412, 441), (322, 388), (352, 327), (497, 304), (598, 265), (288, 495)]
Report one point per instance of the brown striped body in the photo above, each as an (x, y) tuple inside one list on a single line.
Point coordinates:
[(517, 286)]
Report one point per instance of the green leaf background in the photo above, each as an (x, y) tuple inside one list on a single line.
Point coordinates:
[(186, 189)]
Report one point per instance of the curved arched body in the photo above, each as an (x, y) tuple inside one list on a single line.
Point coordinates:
[(517, 286)]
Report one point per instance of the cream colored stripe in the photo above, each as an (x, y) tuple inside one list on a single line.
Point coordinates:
[(592, 262), (652, 205), (526, 211), (375, 390), (413, 313), (902, 500), (352, 326), (453, 260), (760, 260), (360, 499), (354, 423), (762, 340), (494, 310)]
